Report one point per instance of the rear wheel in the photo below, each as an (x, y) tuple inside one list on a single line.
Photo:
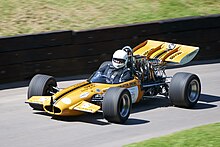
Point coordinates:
[(116, 105), (41, 85), (184, 90)]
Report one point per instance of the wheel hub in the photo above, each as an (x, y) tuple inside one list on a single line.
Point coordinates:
[(193, 91), (124, 105)]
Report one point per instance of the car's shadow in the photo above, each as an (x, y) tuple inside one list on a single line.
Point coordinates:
[(87, 118), (205, 102), (209, 98), (96, 118), (145, 105), (151, 103)]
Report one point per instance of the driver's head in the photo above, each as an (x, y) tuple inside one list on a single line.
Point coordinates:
[(119, 59)]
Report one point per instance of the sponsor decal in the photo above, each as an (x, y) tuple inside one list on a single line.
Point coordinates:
[(174, 55), (66, 100), (86, 105), (134, 93), (42, 99), (87, 87), (98, 90), (83, 95)]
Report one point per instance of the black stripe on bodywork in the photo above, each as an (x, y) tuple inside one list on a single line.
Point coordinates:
[(72, 90), (161, 54)]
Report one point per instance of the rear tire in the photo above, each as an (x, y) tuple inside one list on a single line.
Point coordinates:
[(40, 85), (116, 105), (184, 90)]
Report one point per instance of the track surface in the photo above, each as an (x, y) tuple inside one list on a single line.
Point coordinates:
[(22, 127)]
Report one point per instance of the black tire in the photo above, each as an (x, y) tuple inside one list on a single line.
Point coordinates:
[(116, 105), (40, 85), (105, 63), (184, 90)]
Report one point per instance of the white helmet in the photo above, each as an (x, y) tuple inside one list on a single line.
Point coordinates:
[(119, 59)]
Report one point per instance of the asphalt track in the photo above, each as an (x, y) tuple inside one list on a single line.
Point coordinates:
[(22, 127)]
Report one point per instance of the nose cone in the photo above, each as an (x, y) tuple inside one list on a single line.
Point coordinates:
[(64, 105)]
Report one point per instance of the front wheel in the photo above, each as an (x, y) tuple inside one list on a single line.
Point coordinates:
[(116, 105), (185, 89), (41, 85)]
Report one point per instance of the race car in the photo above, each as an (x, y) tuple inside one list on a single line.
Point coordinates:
[(147, 62)]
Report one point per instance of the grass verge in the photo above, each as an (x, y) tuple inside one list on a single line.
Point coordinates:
[(203, 136), (34, 16)]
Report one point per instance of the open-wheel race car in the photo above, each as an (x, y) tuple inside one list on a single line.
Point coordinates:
[(146, 62)]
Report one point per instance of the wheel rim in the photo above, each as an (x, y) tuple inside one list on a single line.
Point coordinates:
[(124, 105), (48, 90), (193, 92)]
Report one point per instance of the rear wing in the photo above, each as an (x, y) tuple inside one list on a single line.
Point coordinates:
[(166, 52)]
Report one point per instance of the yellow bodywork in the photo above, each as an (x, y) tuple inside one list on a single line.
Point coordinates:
[(86, 107), (75, 99), (180, 54)]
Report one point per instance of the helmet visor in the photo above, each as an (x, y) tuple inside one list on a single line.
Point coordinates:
[(119, 61)]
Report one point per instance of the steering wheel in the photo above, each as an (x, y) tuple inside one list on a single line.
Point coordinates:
[(108, 80)]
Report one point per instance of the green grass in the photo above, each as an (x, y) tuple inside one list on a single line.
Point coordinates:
[(204, 136), (33, 16)]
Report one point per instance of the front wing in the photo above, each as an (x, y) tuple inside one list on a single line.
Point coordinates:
[(83, 106)]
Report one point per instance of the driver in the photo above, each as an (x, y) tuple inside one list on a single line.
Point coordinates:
[(117, 71)]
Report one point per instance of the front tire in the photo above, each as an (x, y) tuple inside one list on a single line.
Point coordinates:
[(41, 85), (184, 90), (116, 105)]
